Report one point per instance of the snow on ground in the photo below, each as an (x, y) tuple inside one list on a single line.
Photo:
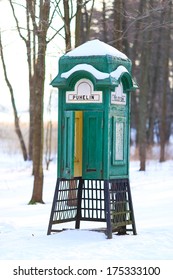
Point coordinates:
[(23, 228)]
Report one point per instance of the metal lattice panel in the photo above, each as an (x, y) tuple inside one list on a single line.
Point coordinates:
[(94, 200), (65, 205), (120, 204), (93, 203)]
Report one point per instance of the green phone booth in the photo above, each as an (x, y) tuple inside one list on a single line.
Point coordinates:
[(94, 84)]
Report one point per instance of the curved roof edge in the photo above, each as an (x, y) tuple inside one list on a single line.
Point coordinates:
[(101, 78)]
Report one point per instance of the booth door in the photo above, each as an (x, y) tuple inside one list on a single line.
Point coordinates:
[(92, 145), (68, 145), (82, 145)]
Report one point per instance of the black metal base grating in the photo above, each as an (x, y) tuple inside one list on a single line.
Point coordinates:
[(65, 204), (121, 208), (93, 200)]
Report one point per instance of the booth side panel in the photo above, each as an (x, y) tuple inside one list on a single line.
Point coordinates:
[(59, 139), (119, 140)]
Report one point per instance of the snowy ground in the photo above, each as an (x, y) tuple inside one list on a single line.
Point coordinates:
[(23, 227)]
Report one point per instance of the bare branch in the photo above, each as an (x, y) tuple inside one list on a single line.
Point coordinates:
[(31, 7), (90, 17), (53, 14), (56, 32), (16, 118), (17, 23), (59, 10), (71, 4)]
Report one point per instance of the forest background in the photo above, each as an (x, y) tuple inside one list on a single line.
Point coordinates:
[(143, 30)]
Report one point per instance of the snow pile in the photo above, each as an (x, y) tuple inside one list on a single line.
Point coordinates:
[(96, 73), (96, 47), (23, 227)]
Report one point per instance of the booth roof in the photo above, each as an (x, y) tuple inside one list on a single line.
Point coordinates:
[(96, 48)]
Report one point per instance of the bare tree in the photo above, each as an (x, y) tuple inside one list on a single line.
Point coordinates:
[(78, 30), (87, 18), (83, 16), (28, 34), (67, 20), (36, 26), (166, 40), (40, 29), (118, 24), (38, 21), (156, 70), (16, 118), (104, 21), (30, 43), (144, 86)]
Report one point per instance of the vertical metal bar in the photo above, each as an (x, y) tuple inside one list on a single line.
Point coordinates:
[(79, 200), (131, 208), (92, 198), (88, 188), (107, 209), (84, 200), (53, 207), (101, 199), (96, 198)]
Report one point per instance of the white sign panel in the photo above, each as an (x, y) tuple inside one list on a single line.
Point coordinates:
[(118, 97), (119, 141), (84, 93)]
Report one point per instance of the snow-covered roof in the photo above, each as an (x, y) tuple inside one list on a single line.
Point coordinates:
[(96, 48), (102, 61), (96, 73)]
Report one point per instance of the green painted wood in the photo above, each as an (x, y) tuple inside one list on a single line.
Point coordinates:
[(113, 138), (68, 145), (93, 145)]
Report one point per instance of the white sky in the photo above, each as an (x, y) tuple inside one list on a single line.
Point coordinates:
[(14, 53)]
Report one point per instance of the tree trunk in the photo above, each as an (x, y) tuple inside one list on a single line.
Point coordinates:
[(78, 30), (67, 25), (31, 58), (145, 58), (154, 85), (125, 42), (135, 57), (166, 42), (39, 77), (104, 22), (38, 133), (118, 24), (155, 82)]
